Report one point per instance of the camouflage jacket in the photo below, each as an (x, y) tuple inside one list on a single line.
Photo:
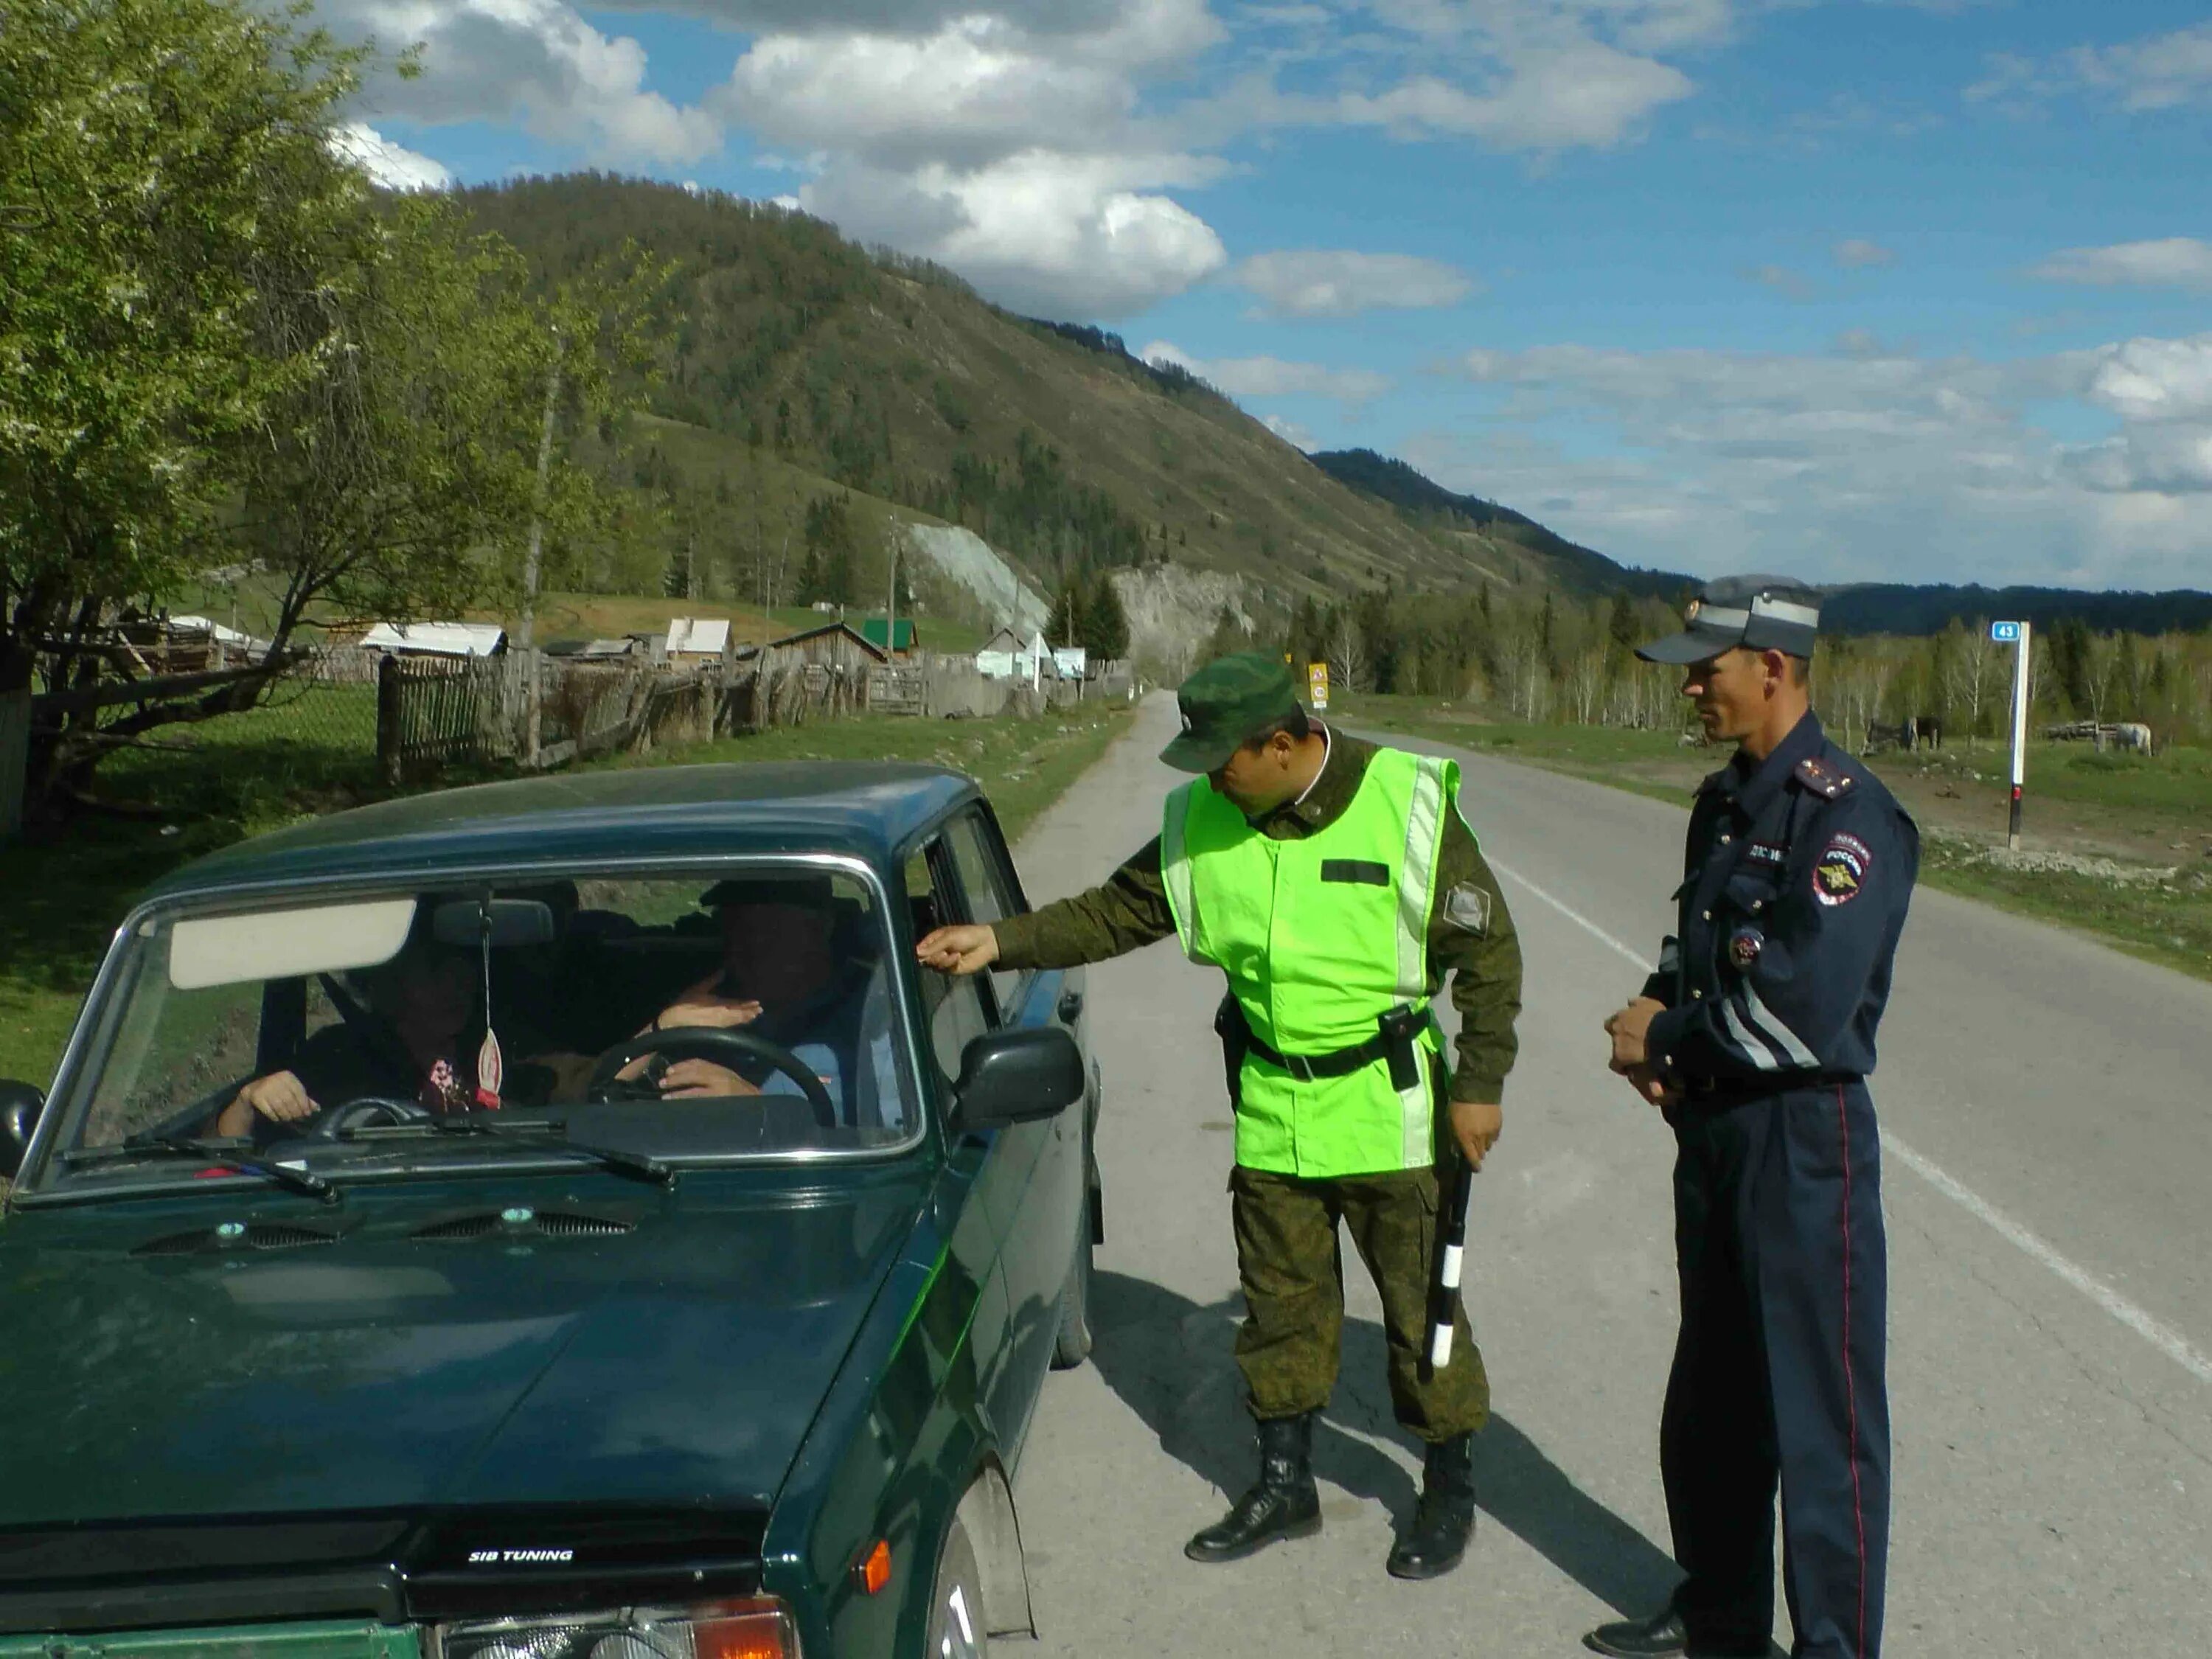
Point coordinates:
[(1471, 933)]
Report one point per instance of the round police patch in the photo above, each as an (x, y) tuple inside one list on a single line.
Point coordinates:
[(1840, 873), (1743, 947)]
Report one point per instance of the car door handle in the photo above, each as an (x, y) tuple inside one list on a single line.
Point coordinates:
[(1070, 1006)]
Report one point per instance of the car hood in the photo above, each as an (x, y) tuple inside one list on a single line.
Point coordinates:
[(649, 1349)]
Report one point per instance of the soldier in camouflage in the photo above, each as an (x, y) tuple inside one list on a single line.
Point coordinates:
[(1326, 1135)]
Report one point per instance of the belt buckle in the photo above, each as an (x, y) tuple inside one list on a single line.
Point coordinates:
[(1299, 1067)]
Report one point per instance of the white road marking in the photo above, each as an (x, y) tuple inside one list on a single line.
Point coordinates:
[(2161, 1335)]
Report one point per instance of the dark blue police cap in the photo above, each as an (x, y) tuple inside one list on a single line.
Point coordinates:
[(1761, 613)]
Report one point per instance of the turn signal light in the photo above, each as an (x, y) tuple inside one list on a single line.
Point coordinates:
[(875, 1571), (760, 1630)]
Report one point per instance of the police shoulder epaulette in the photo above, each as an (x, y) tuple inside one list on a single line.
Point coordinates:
[(1711, 780), (1822, 779)]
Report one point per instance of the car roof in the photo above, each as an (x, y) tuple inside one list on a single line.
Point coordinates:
[(864, 810)]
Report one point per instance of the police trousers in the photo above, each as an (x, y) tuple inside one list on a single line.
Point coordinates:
[(1289, 1262), (1779, 1371)]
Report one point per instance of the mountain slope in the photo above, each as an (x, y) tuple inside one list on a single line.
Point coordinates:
[(1429, 503), (1051, 442)]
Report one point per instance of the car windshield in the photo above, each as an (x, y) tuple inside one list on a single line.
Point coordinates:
[(750, 1014)]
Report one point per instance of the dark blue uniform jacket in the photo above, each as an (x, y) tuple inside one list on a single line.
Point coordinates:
[(1798, 873)]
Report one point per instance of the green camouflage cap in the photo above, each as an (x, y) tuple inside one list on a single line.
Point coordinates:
[(1225, 703)]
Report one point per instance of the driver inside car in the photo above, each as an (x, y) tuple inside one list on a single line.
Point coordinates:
[(783, 977), (409, 1041)]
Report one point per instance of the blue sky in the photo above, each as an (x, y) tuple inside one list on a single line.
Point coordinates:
[(1913, 290)]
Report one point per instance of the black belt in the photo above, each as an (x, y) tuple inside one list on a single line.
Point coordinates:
[(1310, 1068)]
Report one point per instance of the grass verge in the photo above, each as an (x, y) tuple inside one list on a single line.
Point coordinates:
[(2155, 902), (249, 774)]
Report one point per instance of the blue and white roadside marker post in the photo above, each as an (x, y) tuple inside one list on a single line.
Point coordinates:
[(2015, 634)]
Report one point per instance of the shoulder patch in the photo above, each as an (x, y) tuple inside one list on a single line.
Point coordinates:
[(1841, 874), (1466, 907), (1822, 779)]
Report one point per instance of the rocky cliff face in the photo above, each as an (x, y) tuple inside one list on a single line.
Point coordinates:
[(967, 560), (1172, 609)]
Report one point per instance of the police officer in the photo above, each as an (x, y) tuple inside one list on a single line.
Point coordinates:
[(1335, 884), (1755, 1038)]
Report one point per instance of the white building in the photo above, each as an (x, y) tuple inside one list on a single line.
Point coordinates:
[(437, 639)]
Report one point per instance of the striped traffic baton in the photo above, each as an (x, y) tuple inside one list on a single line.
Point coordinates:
[(1451, 1254)]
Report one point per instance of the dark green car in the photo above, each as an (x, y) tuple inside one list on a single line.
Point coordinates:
[(553, 1220)]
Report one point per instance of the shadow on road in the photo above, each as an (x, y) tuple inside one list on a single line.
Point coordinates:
[(1172, 1361)]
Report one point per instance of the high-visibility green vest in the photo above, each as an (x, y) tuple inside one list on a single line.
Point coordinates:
[(1319, 937)]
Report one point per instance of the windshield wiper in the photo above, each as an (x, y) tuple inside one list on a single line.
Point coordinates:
[(215, 1150), (638, 1166)]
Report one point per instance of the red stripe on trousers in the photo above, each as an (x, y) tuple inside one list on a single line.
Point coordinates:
[(1851, 1388)]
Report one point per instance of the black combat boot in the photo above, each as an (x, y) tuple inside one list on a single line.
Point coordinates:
[(1285, 1504), (1444, 1519)]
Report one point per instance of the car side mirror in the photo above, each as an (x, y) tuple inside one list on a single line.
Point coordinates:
[(1017, 1077), (20, 1106)]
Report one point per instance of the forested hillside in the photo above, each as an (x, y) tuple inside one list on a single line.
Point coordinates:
[(883, 376)]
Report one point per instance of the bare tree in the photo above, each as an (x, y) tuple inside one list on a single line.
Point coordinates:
[(1348, 656)]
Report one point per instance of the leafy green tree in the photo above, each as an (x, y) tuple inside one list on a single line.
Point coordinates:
[(1070, 615), (163, 178), (829, 570), (1105, 623)]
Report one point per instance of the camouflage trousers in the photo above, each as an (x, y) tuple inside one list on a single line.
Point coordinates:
[(1291, 1265)]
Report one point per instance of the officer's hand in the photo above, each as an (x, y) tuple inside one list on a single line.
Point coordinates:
[(1650, 1088), (1476, 1126), (1628, 1029), (281, 1098), (967, 948)]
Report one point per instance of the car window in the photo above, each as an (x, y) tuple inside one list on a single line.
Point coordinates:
[(648, 995), (988, 894), (957, 1008)]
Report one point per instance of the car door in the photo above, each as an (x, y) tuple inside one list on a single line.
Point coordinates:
[(992, 1164), (1046, 1211)]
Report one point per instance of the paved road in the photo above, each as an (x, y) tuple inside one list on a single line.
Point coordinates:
[(2049, 1186)]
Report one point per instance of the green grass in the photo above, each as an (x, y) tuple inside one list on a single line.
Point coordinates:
[(2162, 798), (247, 774)]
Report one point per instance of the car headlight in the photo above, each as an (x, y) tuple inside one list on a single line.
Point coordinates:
[(758, 1629)]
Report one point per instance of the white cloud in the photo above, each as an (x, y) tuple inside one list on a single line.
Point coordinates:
[(390, 165), (2150, 380), (1338, 283), (1865, 464), (1291, 433), (1038, 231), (2180, 262), (1585, 95), (1789, 284), (534, 62), (1857, 253), (2158, 73), (1273, 377)]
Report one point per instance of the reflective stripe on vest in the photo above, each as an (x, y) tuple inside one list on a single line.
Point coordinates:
[(1319, 937)]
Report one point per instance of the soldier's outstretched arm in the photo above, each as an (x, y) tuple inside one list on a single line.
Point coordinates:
[(1127, 910), (1790, 1007)]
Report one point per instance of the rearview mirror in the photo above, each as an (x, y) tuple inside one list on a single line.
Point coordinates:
[(513, 922), (20, 1106), (1017, 1077)]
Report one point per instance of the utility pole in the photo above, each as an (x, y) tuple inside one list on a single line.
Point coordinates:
[(891, 600), (533, 561), (2015, 634)]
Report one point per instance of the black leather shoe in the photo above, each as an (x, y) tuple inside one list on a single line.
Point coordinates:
[(1662, 1636), (1285, 1504), (1444, 1519)]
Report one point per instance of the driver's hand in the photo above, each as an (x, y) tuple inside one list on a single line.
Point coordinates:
[(699, 1079), (701, 1005), (281, 1098), (963, 948)]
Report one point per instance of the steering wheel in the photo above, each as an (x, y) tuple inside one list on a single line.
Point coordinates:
[(334, 1124), (722, 1047)]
